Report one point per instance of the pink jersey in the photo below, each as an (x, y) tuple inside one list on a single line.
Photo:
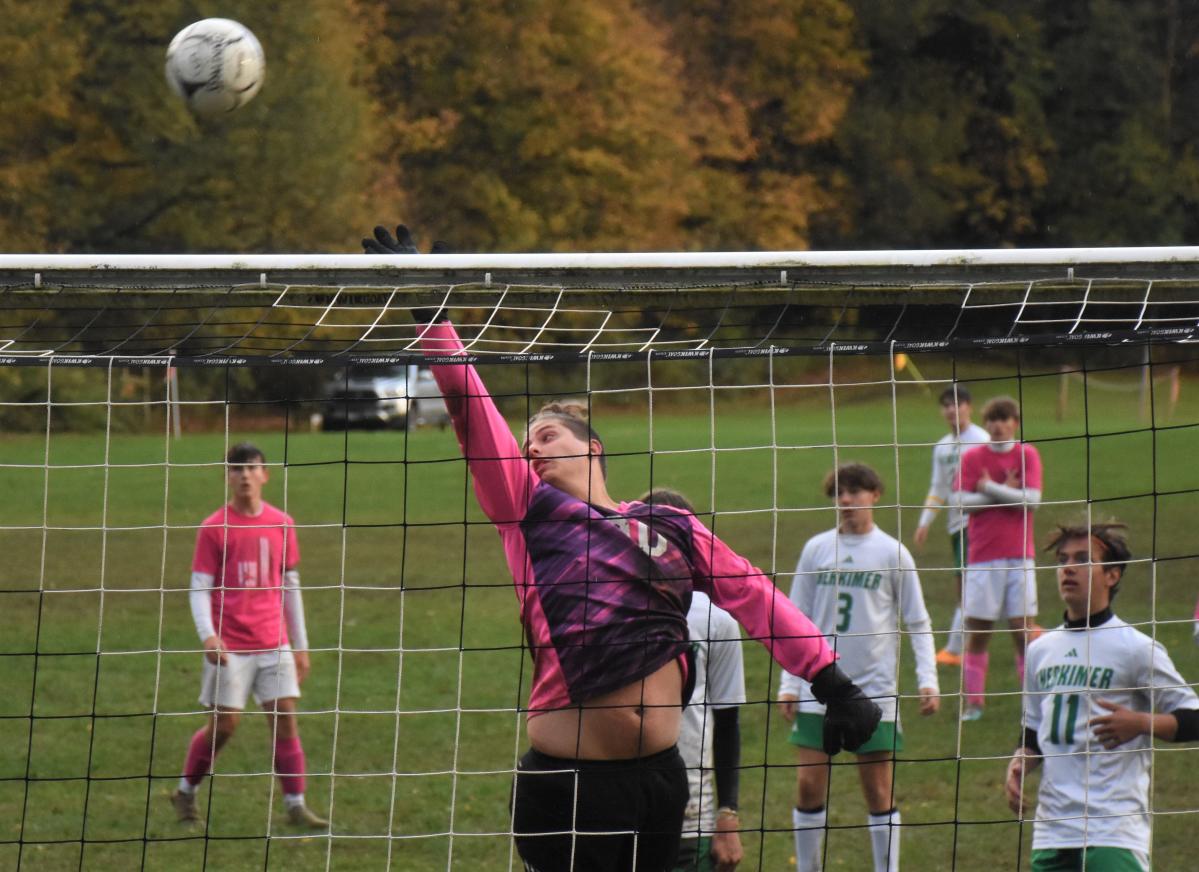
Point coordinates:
[(604, 594), (1000, 531), (246, 556)]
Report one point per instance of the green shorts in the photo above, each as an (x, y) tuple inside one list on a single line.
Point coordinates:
[(808, 732), (1092, 859), (957, 542), (695, 855)]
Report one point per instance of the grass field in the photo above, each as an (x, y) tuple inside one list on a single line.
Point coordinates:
[(416, 675)]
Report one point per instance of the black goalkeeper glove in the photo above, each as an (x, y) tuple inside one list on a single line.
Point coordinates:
[(401, 243), (850, 717)]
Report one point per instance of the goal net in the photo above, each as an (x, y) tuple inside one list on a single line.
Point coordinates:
[(738, 379)]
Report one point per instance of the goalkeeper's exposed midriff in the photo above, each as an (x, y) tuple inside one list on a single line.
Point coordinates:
[(636, 720)]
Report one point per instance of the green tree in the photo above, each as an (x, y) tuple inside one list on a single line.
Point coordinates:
[(946, 143), (1125, 77), (769, 82)]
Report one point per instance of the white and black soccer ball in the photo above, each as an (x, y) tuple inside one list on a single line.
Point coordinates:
[(215, 65)]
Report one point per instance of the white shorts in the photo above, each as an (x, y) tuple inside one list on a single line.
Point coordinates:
[(270, 675), (999, 587)]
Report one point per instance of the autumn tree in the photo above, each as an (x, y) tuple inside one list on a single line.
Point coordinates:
[(124, 167), (39, 65), (769, 82), (535, 124)]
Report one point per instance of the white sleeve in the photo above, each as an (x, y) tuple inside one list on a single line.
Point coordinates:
[(969, 501), (1169, 689), (1002, 493), (939, 489), (726, 668), (293, 610), (789, 685), (200, 597), (916, 621)]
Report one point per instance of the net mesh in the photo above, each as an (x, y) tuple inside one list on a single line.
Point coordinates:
[(741, 388)]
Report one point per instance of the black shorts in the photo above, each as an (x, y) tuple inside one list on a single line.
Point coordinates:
[(599, 815)]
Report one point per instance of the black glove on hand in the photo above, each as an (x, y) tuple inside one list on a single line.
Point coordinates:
[(850, 717), (401, 243), (385, 243)]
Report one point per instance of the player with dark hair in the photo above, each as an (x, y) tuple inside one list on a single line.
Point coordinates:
[(858, 584), (249, 614), (999, 486), (604, 589), (956, 409), (1096, 693), (710, 734)]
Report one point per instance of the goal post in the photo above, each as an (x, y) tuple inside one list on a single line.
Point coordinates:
[(738, 378)]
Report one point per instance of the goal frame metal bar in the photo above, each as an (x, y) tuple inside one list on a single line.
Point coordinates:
[(776, 267)]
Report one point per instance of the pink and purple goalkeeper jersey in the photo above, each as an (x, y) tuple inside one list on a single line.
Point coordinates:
[(604, 594), (247, 556), (1000, 532)]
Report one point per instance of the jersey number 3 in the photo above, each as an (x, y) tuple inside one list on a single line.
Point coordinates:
[(844, 611)]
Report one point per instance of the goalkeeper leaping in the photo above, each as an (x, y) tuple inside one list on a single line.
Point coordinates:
[(604, 588), (245, 585)]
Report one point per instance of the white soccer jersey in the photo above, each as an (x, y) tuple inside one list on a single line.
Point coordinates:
[(855, 588), (719, 683), (947, 459), (1091, 797)]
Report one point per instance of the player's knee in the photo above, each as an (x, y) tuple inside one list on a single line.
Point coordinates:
[(812, 791), (223, 727), (879, 797), (976, 643)]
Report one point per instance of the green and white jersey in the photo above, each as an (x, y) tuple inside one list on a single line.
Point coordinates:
[(1089, 796), (719, 683), (856, 589), (947, 460)]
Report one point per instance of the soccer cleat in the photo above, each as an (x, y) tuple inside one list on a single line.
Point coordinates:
[(303, 816), (972, 713), (185, 807), (945, 657)]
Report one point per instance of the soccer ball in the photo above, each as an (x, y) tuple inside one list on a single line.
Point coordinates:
[(215, 65)]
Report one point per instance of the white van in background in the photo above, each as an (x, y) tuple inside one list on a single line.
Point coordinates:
[(394, 397)]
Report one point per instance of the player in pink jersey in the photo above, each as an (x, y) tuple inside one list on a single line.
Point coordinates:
[(246, 604), (999, 486), (604, 589)]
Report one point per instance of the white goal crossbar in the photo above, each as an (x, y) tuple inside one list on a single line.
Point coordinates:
[(956, 264)]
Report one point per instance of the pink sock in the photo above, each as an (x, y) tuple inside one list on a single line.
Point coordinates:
[(1020, 668), (289, 764), (974, 676), (199, 757)]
